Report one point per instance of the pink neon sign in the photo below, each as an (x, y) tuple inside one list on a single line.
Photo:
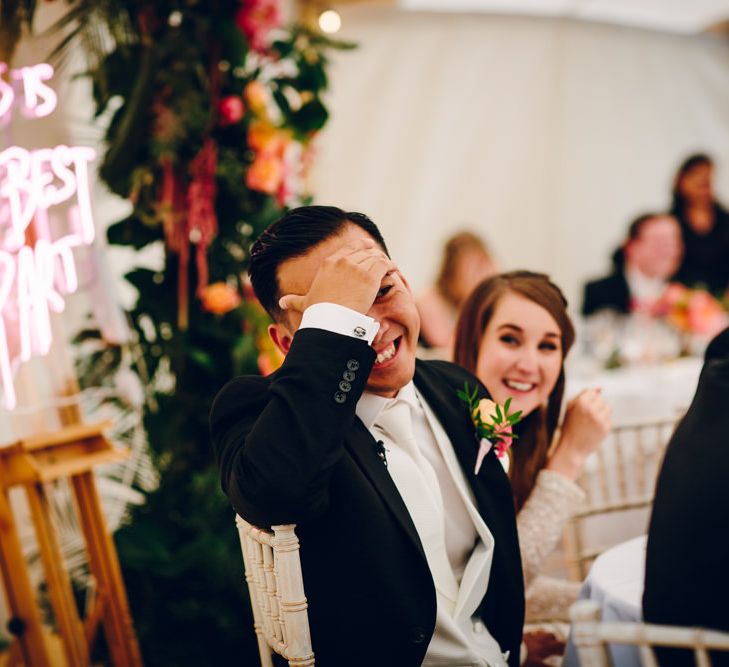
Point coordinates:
[(35, 279)]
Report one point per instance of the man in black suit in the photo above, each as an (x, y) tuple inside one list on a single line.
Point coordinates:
[(409, 557), (686, 578), (642, 267)]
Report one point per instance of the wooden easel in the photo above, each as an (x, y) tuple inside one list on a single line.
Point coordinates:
[(69, 453)]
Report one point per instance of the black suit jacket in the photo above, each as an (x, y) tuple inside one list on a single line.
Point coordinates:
[(687, 581), (291, 450), (610, 293)]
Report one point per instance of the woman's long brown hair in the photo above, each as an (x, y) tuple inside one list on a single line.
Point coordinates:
[(536, 430)]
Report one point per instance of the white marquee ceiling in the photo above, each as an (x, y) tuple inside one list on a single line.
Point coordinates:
[(679, 16)]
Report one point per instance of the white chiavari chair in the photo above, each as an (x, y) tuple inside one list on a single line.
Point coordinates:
[(276, 588), (592, 637), (619, 482)]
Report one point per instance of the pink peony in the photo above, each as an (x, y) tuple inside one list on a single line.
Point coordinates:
[(256, 19), (231, 110)]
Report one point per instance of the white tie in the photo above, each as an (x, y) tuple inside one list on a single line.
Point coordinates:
[(418, 485)]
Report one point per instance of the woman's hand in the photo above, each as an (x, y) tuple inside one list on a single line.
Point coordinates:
[(586, 423)]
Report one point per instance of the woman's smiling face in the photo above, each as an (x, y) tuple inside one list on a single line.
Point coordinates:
[(520, 354)]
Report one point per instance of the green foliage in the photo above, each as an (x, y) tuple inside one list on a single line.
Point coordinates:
[(160, 86), (491, 430)]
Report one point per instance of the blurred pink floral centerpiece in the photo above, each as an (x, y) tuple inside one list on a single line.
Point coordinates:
[(692, 311)]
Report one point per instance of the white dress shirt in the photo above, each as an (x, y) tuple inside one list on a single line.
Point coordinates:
[(644, 291), (460, 578)]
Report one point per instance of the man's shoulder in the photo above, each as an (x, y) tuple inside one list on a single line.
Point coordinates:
[(606, 282), (241, 390), (610, 291), (446, 372)]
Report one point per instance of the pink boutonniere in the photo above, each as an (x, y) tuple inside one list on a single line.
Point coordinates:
[(492, 422)]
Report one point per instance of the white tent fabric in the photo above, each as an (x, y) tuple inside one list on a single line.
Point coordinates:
[(545, 135), (667, 15)]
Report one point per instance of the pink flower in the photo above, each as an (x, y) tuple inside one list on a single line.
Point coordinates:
[(704, 314), (505, 441), (256, 19), (672, 298), (231, 110)]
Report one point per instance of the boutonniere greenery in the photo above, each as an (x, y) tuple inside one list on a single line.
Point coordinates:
[(493, 423)]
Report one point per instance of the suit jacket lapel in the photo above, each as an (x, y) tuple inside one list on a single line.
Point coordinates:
[(361, 446), (453, 416)]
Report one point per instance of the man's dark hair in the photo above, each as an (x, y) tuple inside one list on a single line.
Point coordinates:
[(636, 227), (634, 230), (293, 236)]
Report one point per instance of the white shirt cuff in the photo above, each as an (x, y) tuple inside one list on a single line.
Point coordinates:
[(340, 319)]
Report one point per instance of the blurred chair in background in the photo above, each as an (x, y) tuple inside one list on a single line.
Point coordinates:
[(593, 638), (619, 484)]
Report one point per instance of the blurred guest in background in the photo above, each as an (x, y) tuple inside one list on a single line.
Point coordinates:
[(686, 580), (704, 225), (647, 260), (466, 262), (514, 334)]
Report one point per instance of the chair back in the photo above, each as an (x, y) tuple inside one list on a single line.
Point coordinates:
[(619, 482), (276, 589), (592, 636)]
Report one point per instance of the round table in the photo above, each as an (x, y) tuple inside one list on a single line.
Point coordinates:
[(643, 392), (615, 582)]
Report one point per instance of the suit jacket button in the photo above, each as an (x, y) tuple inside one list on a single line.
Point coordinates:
[(340, 397), (345, 386), (349, 376), (353, 365), (417, 635)]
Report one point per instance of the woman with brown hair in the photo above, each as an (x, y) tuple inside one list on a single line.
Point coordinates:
[(466, 262), (514, 333)]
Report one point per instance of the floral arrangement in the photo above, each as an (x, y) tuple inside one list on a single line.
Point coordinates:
[(691, 311), (211, 111), (493, 423)]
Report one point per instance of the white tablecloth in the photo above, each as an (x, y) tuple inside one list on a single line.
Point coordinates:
[(615, 582), (640, 393)]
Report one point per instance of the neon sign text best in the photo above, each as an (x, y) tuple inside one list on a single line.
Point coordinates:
[(34, 279)]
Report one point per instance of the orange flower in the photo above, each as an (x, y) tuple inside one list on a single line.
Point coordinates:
[(219, 298), (265, 173), (257, 97), (265, 138)]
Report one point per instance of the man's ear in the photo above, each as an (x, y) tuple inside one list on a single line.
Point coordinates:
[(280, 336)]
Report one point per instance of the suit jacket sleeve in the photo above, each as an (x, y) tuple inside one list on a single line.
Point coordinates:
[(277, 440)]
